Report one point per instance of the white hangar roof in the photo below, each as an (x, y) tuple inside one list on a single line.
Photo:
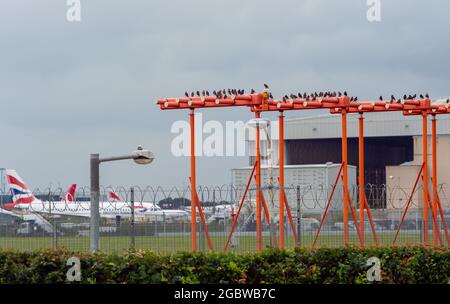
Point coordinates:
[(381, 124)]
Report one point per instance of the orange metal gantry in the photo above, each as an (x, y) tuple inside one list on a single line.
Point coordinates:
[(261, 102)]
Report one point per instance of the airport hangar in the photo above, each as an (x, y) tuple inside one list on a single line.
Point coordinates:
[(393, 153)]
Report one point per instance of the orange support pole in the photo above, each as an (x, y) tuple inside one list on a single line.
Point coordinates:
[(407, 204), (203, 220), (369, 216), (435, 223), (362, 195), (193, 185), (425, 176), (353, 214), (258, 189), (434, 178), (345, 175), (441, 213), (327, 206), (291, 221), (233, 226), (281, 175), (266, 210)]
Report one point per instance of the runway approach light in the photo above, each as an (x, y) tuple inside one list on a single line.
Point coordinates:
[(259, 123)]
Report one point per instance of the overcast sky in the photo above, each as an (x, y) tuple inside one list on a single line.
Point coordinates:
[(70, 89)]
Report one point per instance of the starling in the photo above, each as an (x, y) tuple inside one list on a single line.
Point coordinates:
[(192, 94), (381, 98), (351, 98), (270, 96), (421, 96), (304, 95), (356, 99), (404, 97), (207, 93), (339, 94), (414, 96), (448, 100), (427, 96), (252, 91), (345, 93), (198, 93), (186, 94), (266, 86)]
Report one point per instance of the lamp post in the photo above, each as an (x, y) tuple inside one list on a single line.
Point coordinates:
[(140, 156), (261, 123)]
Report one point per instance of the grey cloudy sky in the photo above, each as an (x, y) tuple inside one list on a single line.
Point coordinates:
[(69, 89)]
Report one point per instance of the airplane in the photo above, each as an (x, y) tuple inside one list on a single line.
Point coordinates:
[(151, 210), (24, 199)]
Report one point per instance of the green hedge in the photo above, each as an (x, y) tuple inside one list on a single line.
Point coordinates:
[(342, 265)]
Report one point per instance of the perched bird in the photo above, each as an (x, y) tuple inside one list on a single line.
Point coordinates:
[(345, 93), (270, 96), (207, 93), (339, 94), (427, 96), (266, 86), (421, 96), (252, 91), (381, 98), (186, 94), (448, 100), (351, 98), (404, 97), (192, 94), (304, 95), (198, 93), (414, 96), (356, 99)]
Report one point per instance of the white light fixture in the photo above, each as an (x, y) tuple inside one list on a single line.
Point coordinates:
[(258, 123)]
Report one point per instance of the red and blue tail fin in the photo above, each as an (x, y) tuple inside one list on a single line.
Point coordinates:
[(21, 194)]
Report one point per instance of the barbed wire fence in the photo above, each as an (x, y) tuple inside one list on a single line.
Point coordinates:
[(162, 220)]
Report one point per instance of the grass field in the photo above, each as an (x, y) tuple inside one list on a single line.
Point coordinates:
[(170, 244)]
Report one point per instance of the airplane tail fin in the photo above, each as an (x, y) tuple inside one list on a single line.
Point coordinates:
[(113, 196), (70, 195), (21, 194)]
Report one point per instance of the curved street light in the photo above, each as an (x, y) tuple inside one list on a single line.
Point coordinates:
[(139, 156)]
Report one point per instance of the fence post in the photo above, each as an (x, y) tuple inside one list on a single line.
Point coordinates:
[(299, 214), (133, 240)]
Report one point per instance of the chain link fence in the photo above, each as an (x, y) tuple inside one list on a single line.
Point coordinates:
[(162, 218)]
